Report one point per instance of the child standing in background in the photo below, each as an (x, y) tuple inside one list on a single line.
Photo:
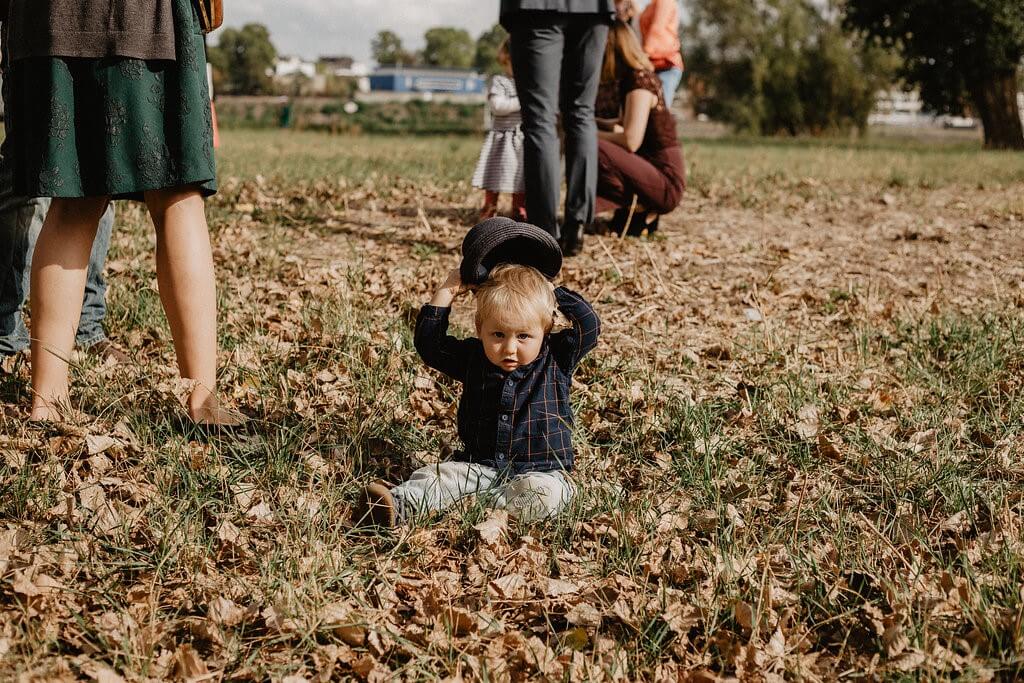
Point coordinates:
[(500, 167)]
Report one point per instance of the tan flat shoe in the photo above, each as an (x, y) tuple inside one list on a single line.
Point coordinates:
[(376, 507)]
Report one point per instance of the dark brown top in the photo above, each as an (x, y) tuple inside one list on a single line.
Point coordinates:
[(143, 29), (608, 104), (661, 125), (660, 145)]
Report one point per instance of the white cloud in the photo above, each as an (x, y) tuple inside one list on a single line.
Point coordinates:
[(311, 28)]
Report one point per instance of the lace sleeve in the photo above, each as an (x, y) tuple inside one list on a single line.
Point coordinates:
[(642, 79)]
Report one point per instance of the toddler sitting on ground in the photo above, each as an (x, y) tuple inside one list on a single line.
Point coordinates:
[(514, 415)]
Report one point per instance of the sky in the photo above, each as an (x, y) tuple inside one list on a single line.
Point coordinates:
[(311, 28)]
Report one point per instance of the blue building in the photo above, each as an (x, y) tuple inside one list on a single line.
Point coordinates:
[(427, 79)]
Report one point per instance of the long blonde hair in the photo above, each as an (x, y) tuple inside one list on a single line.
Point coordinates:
[(622, 52)]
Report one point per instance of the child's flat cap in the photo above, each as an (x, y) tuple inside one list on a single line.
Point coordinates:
[(503, 240)]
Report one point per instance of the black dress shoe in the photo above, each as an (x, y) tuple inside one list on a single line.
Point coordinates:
[(571, 240), (637, 224), (641, 224)]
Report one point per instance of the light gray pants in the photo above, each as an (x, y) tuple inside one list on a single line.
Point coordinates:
[(530, 496)]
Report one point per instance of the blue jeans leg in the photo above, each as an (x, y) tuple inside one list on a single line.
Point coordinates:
[(670, 83), (94, 305), (21, 219)]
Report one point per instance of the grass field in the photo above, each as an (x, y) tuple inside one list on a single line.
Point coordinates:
[(800, 441)]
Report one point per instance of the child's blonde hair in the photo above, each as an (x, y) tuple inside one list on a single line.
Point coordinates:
[(504, 53), (515, 292)]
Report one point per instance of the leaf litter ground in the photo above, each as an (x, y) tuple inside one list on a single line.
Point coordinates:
[(799, 453)]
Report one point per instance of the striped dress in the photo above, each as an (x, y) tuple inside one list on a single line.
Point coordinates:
[(500, 167)]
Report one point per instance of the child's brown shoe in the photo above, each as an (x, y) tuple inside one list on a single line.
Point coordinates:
[(376, 507)]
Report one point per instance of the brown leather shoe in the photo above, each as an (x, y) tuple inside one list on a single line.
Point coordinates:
[(376, 507), (10, 364), (108, 352)]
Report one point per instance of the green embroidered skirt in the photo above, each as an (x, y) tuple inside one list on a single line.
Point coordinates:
[(114, 126)]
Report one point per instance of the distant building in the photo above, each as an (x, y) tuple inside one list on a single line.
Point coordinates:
[(343, 66), (898, 107), (290, 66), (340, 62), (426, 79)]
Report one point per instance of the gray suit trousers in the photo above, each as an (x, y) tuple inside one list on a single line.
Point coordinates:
[(557, 59)]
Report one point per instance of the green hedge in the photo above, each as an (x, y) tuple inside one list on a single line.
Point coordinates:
[(329, 114)]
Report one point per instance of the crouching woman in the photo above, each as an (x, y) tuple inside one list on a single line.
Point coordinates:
[(639, 156)]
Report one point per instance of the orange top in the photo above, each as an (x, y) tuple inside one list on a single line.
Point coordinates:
[(659, 26)]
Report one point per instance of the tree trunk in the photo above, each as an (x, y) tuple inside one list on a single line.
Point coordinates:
[(995, 98)]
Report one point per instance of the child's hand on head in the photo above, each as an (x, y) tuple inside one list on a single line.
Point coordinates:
[(453, 283), (559, 321), (449, 290)]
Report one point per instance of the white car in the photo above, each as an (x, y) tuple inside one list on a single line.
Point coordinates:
[(959, 122)]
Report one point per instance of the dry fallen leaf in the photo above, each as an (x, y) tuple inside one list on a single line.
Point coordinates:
[(225, 612), (510, 587), (228, 534), (261, 512), (459, 621), (827, 449), (744, 615), (29, 584), (340, 619), (556, 587), (188, 665), (583, 614), (96, 444), (908, 661), (493, 527), (808, 422), (277, 621), (733, 515), (370, 670), (681, 617)]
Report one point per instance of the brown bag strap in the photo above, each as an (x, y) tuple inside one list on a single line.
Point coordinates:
[(211, 14)]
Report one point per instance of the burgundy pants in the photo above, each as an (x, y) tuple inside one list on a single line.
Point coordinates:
[(622, 174)]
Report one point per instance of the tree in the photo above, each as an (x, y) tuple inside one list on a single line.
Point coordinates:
[(780, 66), (218, 62), (447, 46), (957, 51), (387, 49), (486, 58), (246, 57)]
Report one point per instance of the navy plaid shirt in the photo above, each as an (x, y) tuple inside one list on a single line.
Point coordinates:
[(519, 421)]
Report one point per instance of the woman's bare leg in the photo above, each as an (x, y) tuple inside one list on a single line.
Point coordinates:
[(59, 266), (188, 292)]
